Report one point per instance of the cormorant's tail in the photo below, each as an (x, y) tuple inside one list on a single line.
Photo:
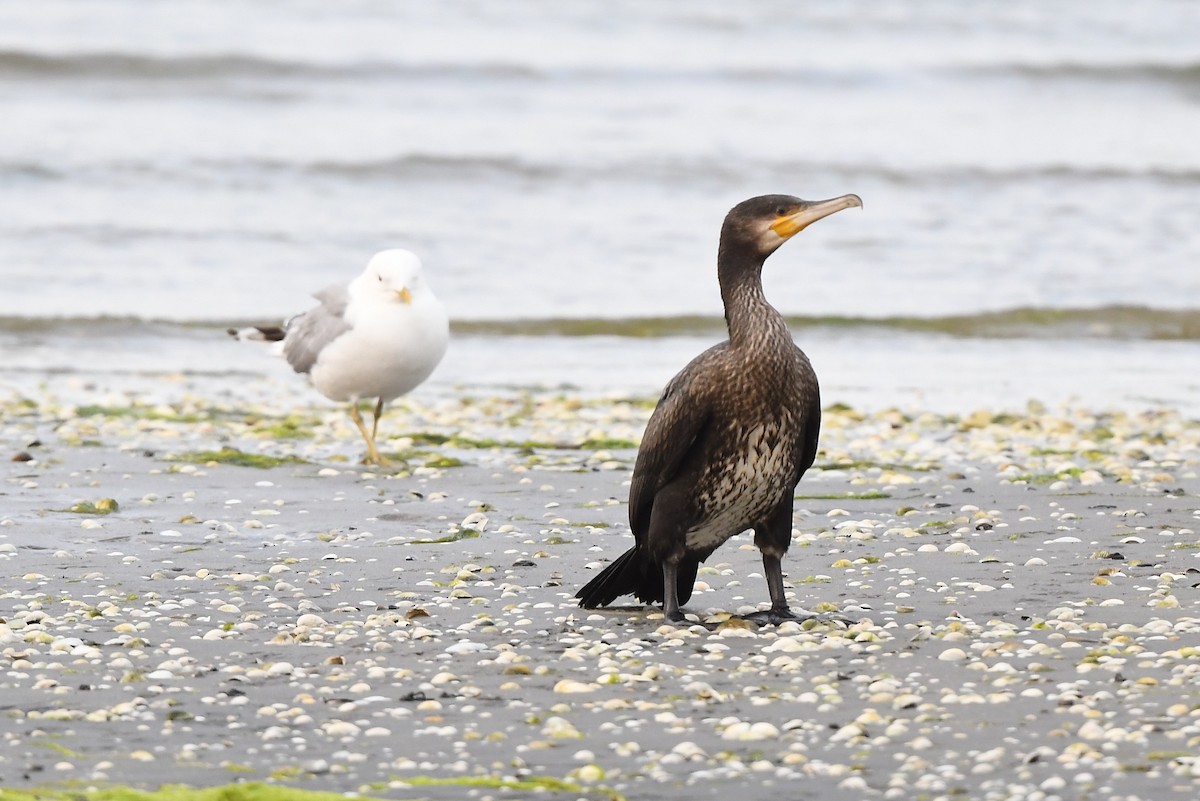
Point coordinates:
[(636, 573)]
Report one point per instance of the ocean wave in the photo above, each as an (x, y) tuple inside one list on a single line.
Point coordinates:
[(450, 166), (1106, 322), (118, 65), (428, 165), (1183, 74), (135, 66), (446, 167), (21, 64), (139, 66)]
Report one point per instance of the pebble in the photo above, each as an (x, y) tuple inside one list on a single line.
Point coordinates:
[(570, 686), (744, 731)]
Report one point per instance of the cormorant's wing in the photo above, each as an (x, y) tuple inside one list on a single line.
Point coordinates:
[(309, 333), (812, 432), (677, 422), (811, 422)]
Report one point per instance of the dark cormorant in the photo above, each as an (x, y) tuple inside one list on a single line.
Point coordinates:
[(731, 435)]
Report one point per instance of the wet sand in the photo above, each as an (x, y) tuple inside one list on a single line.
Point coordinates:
[(1024, 586)]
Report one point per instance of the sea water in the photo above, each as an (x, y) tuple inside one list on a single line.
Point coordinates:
[(1030, 174)]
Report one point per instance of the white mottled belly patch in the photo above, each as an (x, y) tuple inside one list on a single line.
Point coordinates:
[(740, 492)]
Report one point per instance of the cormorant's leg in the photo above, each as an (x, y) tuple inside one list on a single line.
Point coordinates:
[(373, 454), (773, 536), (671, 610), (375, 422), (780, 611)]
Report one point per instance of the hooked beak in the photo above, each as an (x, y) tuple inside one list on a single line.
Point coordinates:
[(788, 225), (404, 295)]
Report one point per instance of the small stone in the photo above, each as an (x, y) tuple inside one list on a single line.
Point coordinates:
[(748, 732), (569, 686), (341, 728), (590, 774)]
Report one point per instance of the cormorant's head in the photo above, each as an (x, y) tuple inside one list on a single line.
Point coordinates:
[(765, 222)]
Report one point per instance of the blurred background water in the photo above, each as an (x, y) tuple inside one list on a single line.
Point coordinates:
[(1030, 172)]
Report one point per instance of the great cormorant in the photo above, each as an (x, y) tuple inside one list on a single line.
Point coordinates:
[(732, 433)]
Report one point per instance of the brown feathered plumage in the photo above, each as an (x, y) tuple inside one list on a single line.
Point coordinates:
[(732, 433)]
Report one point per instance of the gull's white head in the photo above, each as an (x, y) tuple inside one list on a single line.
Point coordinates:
[(393, 275)]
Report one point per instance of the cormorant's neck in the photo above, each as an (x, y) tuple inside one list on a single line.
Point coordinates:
[(750, 318)]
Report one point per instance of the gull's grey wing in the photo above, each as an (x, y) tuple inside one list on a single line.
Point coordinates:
[(310, 332), (334, 298)]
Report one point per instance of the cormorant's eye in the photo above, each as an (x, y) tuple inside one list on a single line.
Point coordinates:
[(781, 211)]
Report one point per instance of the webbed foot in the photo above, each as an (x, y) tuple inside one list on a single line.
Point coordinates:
[(377, 459)]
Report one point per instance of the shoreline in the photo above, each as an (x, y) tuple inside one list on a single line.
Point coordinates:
[(870, 370), (1024, 585)]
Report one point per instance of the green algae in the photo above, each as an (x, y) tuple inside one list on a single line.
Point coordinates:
[(290, 427), (535, 783), (168, 414), (462, 534), (251, 791), (1090, 455), (1169, 755), (527, 445), (136, 412), (444, 462), (236, 457), (59, 749), (424, 438), (607, 444), (104, 506), (456, 441), (1041, 479), (863, 464)]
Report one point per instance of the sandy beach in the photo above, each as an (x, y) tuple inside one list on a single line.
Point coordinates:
[(206, 596), (206, 588)]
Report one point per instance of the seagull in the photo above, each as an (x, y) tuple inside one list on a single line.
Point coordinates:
[(378, 336)]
